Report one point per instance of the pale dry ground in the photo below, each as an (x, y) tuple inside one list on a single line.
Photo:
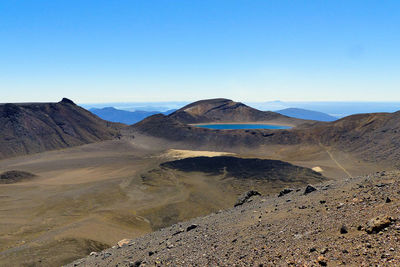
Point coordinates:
[(317, 169), (79, 195), (271, 122), (181, 153), (334, 164), (87, 198)]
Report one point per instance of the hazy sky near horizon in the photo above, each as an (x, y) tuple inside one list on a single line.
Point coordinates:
[(111, 51)]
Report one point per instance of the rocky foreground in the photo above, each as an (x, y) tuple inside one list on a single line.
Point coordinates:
[(355, 222)]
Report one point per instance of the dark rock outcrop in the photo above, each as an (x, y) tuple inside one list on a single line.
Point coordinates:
[(11, 177), (343, 229), (191, 227), (309, 189), (246, 197), (285, 192), (67, 101)]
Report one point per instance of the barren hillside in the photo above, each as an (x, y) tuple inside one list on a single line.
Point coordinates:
[(225, 110), (36, 127)]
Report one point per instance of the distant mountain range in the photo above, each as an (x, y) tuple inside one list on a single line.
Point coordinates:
[(123, 116), (338, 109), (135, 106), (306, 114), (131, 117)]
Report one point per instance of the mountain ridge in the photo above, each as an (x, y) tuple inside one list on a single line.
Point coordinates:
[(27, 128), (226, 110)]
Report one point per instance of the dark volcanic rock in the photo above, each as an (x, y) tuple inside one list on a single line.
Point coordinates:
[(285, 192), (191, 227), (11, 177), (67, 101), (322, 261), (246, 197), (309, 189)]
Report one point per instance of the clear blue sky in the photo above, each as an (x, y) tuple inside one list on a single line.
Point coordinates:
[(110, 51)]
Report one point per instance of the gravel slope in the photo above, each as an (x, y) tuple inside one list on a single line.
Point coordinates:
[(330, 226)]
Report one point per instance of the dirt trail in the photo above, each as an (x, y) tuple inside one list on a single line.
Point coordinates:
[(336, 162)]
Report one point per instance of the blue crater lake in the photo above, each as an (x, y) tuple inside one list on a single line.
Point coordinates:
[(241, 126)]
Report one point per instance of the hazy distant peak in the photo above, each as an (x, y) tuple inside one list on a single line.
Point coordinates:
[(306, 114), (105, 108), (124, 116)]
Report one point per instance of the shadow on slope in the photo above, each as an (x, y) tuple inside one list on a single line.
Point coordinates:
[(245, 168)]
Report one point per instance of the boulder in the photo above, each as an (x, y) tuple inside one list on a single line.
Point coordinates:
[(309, 189), (343, 229), (285, 192), (321, 260), (123, 243), (377, 224), (191, 227)]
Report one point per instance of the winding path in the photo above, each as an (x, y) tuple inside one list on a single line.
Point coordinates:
[(336, 162)]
